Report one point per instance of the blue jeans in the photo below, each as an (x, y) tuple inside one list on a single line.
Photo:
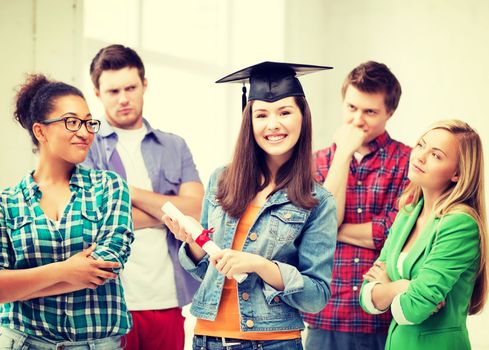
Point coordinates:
[(202, 342), (322, 339), (14, 340)]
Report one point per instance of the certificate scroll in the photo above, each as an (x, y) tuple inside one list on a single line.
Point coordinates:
[(197, 231)]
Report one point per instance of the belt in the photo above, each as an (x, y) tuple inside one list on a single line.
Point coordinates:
[(222, 340)]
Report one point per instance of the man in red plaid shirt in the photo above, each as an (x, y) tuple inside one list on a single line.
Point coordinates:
[(366, 171)]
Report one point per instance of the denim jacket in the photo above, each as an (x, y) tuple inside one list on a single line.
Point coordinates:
[(300, 241)]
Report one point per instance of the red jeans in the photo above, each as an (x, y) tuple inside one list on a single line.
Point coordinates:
[(156, 330)]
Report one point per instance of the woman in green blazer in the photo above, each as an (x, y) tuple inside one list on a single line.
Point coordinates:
[(431, 272)]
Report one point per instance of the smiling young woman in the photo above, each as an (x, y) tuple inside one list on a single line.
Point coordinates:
[(273, 221), (64, 232)]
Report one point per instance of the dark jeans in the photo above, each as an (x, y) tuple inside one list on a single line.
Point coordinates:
[(319, 339), (202, 342)]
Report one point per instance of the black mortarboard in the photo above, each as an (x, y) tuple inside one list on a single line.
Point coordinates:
[(271, 81)]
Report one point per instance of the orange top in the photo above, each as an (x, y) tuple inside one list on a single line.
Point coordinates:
[(227, 322)]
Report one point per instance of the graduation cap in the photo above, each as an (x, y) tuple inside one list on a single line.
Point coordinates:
[(271, 81)]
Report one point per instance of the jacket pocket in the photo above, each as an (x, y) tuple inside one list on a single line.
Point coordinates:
[(440, 330), (286, 224)]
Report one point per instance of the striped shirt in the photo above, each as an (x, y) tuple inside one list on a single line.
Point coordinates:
[(373, 187), (99, 212)]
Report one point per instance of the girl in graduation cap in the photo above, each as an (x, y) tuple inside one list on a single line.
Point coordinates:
[(271, 219)]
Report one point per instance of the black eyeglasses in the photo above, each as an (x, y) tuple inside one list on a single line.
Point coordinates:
[(75, 124)]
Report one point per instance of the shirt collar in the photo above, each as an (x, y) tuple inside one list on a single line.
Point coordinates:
[(79, 178), (106, 130), (379, 142), (29, 187)]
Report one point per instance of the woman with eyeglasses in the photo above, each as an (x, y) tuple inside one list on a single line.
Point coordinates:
[(65, 233)]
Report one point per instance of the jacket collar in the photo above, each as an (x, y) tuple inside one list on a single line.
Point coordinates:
[(421, 242)]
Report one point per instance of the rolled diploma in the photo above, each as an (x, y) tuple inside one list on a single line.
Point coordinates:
[(195, 230)]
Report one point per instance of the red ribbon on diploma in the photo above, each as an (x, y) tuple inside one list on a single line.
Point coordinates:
[(204, 237)]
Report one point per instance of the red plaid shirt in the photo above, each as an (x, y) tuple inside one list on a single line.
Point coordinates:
[(374, 185)]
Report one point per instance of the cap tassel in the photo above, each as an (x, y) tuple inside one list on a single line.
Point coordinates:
[(243, 98)]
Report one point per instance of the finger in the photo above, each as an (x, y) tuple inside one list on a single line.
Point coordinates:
[(97, 281), (166, 219), (213, 260), (106, 274), (368, 277), (223, 265), (90, 250), (170, 223), (226, 270), (102, 264), (217, 256), (369, 270)]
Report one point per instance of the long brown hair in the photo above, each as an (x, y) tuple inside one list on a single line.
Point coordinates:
[(466, 195), (248, 172)]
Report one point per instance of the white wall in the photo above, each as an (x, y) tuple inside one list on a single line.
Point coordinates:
[(437, 48), (35, 36)]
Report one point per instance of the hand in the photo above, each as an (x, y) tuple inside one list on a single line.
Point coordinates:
[(84, 271), (349, 138), (440, 305), (377, 273), (400, 286), (178, 230), (230, 262)]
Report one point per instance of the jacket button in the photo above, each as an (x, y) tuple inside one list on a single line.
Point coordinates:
[(359, 210), (245, 296), (276, 299), (253, 236), (287, 215), (250, 323)]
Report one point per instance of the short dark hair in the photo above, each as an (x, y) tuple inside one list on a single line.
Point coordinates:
[(374, 77), (36, 99), (115, 57)]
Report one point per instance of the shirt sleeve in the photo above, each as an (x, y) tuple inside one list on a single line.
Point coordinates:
[(365, 296), (381, 223), (456, 248), (199, 269), (307, 284), (322, 162), (116, 233), (4, 261), (366, 299), (189, 170)]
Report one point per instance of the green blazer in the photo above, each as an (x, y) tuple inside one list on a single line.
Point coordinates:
[(442, 266)]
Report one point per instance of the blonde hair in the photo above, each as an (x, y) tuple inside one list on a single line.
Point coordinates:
[(466, 195)]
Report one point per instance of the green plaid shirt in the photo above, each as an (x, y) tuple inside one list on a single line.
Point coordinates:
[(99, 211)]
